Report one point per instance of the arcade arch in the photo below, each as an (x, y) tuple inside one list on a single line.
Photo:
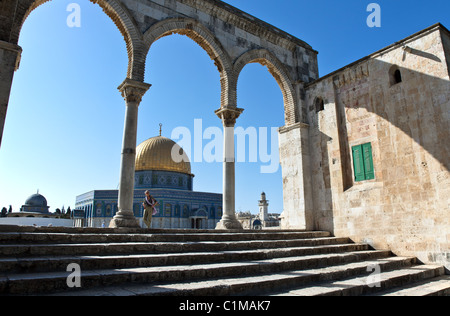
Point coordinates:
[(231, 38)]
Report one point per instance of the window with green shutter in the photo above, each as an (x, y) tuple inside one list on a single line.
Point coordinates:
[(363, 162), (368, 161)]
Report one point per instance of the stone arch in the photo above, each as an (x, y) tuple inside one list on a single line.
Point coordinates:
[(277, 70), (117, 13), (395, 75), (204, 38)]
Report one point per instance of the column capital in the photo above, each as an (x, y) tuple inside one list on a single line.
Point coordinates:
[(10, 46), (13, 48), (132, 90), (229, 115)]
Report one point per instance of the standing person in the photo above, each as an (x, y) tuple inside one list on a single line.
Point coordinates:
[(149, 208)]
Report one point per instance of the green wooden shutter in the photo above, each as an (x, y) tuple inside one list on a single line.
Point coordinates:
[(368, 161), (358, 163)]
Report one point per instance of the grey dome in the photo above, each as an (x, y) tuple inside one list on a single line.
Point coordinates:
[(36, 200)]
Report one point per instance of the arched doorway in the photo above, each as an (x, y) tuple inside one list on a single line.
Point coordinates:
[(199, 219)]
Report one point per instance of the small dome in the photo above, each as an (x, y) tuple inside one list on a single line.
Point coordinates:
[(36, 200), (156, 154)]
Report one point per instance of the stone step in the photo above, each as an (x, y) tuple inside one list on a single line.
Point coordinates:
[(76, 238), (246, 284), (60, 263), (28, 250), (362, 285), (34, 260), (27, 283), (439, 286), (114, 231)]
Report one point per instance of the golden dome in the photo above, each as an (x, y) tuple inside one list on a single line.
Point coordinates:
[(156, 154)]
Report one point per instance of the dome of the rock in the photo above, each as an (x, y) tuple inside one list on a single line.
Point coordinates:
[(156, 154)]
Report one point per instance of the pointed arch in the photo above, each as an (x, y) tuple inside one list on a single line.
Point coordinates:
[(277, 70), (118, 14), (204, 38)]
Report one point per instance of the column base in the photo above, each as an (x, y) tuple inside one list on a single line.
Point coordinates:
[(229, 224), (124, 222)]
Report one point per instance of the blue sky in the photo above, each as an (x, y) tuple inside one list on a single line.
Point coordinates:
[(64, 125)]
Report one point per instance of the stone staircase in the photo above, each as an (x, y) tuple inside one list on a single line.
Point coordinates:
[(34, 261)]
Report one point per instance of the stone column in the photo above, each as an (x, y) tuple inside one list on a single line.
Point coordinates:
[(229, 116), (132, 91), (9, 62)]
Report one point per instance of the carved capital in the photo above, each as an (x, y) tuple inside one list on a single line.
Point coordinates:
[(133, 91), (13, 48), (229, 115)]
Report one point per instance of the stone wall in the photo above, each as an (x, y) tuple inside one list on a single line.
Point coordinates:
[(405, 207), (446, 42), (295, 164)]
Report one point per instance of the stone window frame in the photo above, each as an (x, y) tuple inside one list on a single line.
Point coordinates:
[(395, 75), (319, 104)]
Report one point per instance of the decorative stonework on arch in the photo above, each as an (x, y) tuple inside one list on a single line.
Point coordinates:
[(195, 31), (225, 32), (276, 69), (200, 35), (118, 14)]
